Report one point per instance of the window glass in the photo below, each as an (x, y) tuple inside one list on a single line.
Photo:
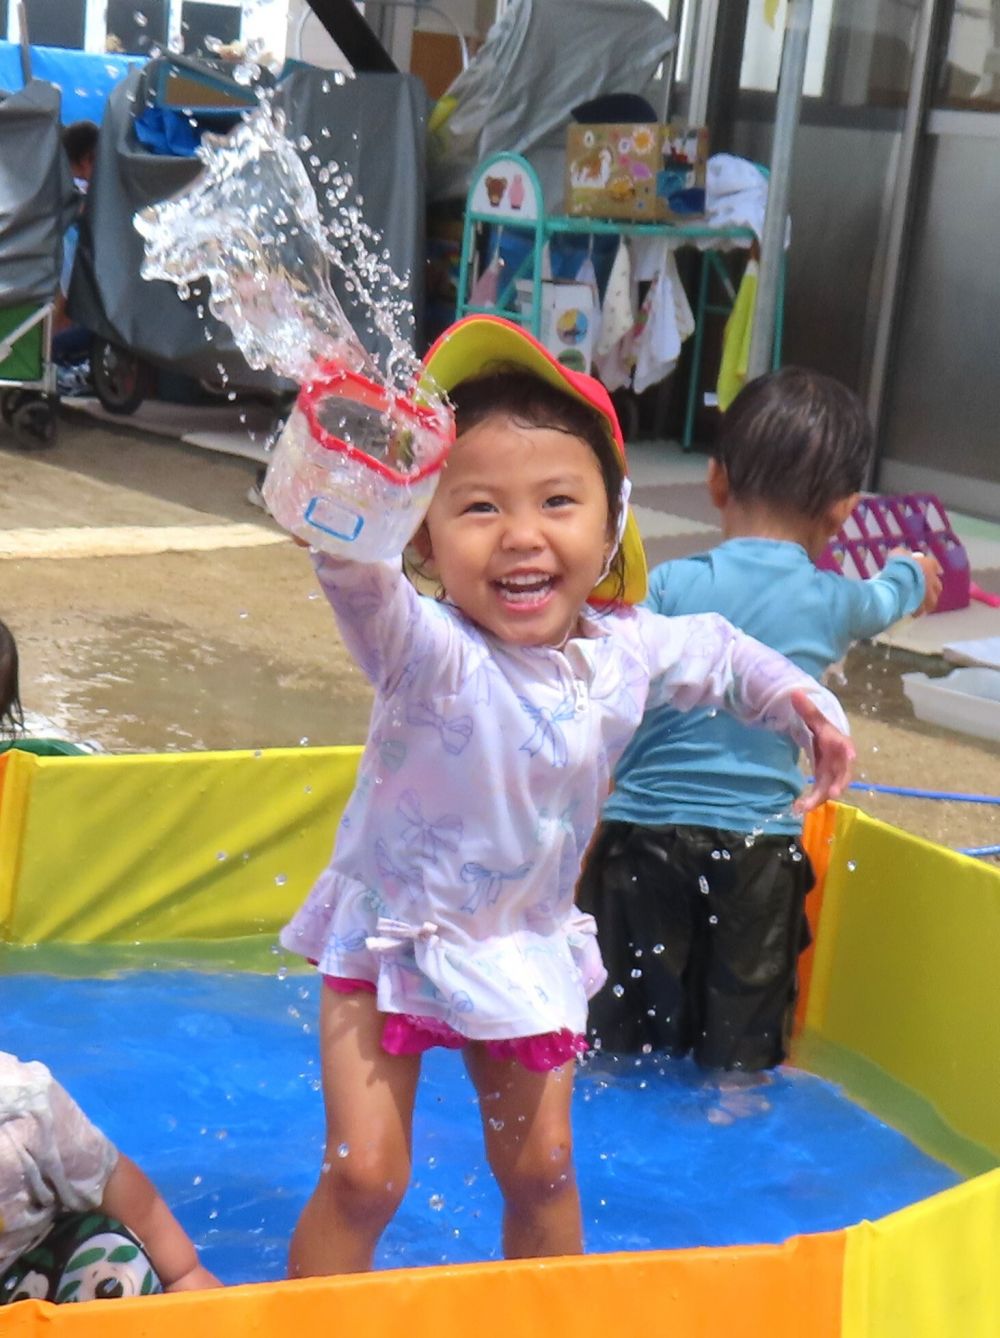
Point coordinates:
[(57, 22), (970, 71), (136, 26), (860, 51), (204, 26), (763, 40)]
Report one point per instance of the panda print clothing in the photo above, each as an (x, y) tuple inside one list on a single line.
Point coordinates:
[(84, 1257), (451, 886)]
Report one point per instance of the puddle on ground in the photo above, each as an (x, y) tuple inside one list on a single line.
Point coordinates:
[(141, 685), (874, 683)]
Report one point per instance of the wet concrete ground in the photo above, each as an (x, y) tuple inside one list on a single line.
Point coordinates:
[(233, 647)]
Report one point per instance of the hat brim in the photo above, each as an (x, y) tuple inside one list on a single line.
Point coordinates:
[(480, 344)]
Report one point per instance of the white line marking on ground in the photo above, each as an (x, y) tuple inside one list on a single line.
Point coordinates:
[(131, 540)]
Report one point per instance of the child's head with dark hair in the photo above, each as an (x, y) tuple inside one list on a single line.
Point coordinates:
[(529, 401), (11, 716), (526, 519), (795, 443), (80, 142)]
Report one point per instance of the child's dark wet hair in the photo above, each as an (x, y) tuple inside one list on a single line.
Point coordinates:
[(529, 401), (80, 141), (11, 715), (795, 441)]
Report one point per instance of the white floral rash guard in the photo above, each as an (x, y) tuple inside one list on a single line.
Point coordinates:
[(451, 884), (52, 1159)]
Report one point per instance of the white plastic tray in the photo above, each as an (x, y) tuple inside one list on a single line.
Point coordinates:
[(967, 700)]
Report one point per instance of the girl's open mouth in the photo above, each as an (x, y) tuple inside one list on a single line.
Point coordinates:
[(526, 591)]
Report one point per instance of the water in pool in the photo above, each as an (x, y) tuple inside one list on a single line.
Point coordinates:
[(211, 1082)]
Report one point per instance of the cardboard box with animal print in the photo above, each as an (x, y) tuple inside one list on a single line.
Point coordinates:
[(645, 173)]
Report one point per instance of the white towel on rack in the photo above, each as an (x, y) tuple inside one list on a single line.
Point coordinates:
[(735, 193), (612, 354), (588, 275), (664, 323)]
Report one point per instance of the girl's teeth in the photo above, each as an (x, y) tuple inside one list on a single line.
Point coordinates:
[(525, 589)]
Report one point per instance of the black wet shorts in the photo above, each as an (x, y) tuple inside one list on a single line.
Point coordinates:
[(701, 932)]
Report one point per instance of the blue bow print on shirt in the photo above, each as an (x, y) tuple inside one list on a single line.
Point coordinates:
[(455, 734), (398, 879), (547, 729), (427, 837), (487, 883), (353, 941)]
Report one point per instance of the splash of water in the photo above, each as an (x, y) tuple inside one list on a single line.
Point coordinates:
[(251, 225)]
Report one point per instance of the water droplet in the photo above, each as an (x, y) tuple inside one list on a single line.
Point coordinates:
[(618, 990), (343, 1150), (221, 856), (851, 866), (280, 879), (658, 949), (436, 1202), (703, 885), (636, 973)]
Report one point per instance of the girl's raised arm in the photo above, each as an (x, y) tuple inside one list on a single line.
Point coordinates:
[(702, 660), (386, 624)]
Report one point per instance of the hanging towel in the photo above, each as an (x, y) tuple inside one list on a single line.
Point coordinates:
[(612, 356), (588, 275), (736, 339), (664, 323)]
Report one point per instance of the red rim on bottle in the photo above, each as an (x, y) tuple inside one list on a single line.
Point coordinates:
[(364, 391)]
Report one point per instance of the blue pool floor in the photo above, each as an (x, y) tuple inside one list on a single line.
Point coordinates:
[(211, 1082)]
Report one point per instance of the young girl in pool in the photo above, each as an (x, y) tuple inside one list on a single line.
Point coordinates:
[(446, 916)]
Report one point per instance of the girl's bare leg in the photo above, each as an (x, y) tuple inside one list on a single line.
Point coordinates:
[(369, 1099), (529, 1144)]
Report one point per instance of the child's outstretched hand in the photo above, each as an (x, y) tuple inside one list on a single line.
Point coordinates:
[(931, 568), (833, 754), (932, 581)]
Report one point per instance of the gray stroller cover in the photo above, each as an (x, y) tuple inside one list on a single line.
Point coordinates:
[(539, 61), (37, 197), (376, 131)]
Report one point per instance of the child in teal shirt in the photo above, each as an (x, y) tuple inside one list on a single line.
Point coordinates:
[(696, 877)]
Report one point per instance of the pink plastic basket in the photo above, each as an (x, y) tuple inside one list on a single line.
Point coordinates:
[(918, 521)]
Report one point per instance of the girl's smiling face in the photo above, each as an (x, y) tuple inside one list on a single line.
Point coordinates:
[(518, 531)]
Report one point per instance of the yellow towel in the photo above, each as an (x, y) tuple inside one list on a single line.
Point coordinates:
[(736, 339)]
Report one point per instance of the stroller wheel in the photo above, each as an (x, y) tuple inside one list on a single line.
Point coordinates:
[(10, 402), (34, 424), (121, 379)]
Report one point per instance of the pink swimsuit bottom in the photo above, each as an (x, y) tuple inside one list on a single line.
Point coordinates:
[(406, 1034)]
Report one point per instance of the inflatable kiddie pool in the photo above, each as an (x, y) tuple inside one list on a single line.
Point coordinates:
[(899, 1006)]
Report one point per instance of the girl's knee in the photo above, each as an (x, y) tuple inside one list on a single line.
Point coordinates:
[(366, 1184), (537, 1171)]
